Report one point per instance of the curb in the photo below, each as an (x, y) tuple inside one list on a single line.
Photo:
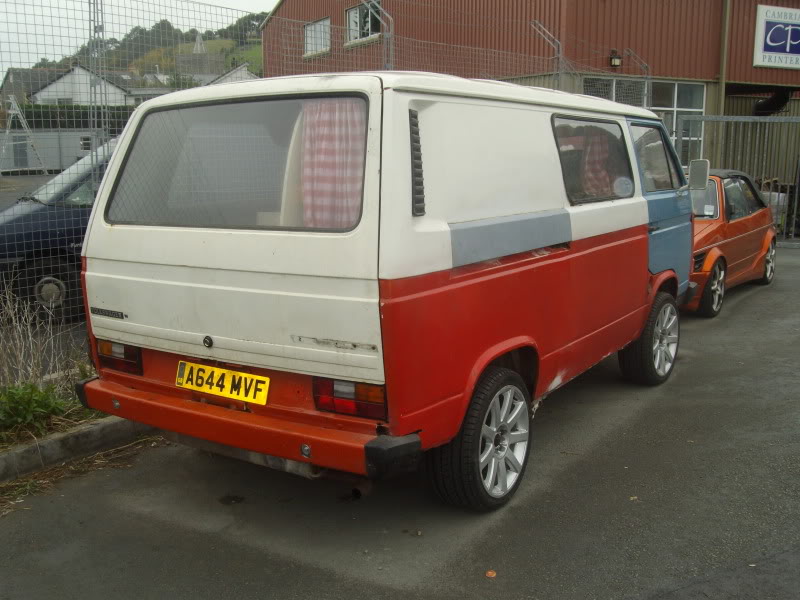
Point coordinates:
[(789, 244), (102, 434)]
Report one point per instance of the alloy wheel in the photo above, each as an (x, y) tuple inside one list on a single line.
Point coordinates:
[(717, 284), (665, 339), (769, 262), (504, 441)]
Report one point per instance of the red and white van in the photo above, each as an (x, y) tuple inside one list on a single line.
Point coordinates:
[(357, 272)]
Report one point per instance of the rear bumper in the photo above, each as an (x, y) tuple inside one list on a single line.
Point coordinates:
[(372, 455)]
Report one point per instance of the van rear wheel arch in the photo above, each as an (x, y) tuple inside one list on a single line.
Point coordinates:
[(524, 361)]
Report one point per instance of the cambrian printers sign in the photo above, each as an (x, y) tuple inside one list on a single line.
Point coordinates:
[(777, 37)]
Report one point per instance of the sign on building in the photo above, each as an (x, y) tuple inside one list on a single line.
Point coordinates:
[(777, 41)]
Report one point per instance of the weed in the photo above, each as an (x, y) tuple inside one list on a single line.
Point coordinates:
[(29, 407)]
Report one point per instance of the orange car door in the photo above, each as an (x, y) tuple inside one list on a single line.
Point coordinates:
[(737, 247), (758, 220)]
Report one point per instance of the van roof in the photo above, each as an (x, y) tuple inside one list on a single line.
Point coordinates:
[(426, 83)]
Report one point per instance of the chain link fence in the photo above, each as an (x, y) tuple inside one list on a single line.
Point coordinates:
[(73, 71), (297, 47), (767, 148)]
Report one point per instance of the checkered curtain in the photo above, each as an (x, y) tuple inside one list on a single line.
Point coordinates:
[(596, 181), (334, 135)]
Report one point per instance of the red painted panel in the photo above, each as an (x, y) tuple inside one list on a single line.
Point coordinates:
[(331, 448), (574, 305), (676, 38)]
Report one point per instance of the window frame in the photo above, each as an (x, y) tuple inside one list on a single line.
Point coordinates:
[(306, 27), (231, 101), (614, 80), (717, 211), (748, 185), (360, 8), (675, 109), (84, 139), (672, 159), (738, 181), (584, 118)]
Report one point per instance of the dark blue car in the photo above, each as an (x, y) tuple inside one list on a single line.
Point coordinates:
[(42, 234)]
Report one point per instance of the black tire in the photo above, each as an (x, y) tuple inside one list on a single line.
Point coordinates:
[(709, 306), (637, 360), (769, 274), (454, 471), (52, 285)]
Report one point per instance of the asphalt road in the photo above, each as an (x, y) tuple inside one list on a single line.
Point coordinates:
[(690, 490)]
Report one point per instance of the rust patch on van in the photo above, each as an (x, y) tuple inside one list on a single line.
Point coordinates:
[(338, 344)]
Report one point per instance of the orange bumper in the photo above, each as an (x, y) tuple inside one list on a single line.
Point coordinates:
[(372, 455)]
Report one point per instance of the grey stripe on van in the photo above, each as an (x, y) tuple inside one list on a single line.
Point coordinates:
[(474, 241)]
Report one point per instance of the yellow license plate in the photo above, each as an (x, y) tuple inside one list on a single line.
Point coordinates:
[(221, 382)]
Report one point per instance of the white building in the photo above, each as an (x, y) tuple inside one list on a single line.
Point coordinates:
[(240, 73)]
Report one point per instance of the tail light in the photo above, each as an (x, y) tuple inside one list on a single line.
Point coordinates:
[(350, 398), (119, 357)]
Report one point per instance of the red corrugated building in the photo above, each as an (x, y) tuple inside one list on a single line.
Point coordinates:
[(669, 55)]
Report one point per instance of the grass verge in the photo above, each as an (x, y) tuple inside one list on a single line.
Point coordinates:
[(41, 358), (13, 493)]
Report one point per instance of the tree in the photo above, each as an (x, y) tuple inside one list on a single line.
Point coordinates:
[(44, 63), (181, 82), (241, 29)]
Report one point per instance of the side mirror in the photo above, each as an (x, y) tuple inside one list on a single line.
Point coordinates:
[(698, 174)]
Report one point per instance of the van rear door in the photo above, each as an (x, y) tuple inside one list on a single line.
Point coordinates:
[(248, 215)]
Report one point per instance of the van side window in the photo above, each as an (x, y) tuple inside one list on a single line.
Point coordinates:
[(658, 170), (594, 160)]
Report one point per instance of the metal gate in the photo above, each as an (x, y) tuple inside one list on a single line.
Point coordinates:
[(767, 148)]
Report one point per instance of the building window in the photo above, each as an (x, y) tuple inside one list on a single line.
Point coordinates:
[(318, 36), (63, 101), (625, 91), (362, 21), (86, 144), (670, 100)]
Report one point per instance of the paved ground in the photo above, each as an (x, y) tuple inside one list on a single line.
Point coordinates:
[(690, 490), (12, 187)]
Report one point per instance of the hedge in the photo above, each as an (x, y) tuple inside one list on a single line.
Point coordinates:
[(74, 116)]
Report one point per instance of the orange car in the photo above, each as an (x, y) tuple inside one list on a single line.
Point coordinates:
[(734, 239)]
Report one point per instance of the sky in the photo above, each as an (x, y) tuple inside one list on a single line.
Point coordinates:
[(32, 29), (248, 5)]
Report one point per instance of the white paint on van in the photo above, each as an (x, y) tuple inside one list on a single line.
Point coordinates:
[(557, 382), (488, 152)]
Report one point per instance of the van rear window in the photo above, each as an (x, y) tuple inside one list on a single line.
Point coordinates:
[(274, 164), (594, 160)]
